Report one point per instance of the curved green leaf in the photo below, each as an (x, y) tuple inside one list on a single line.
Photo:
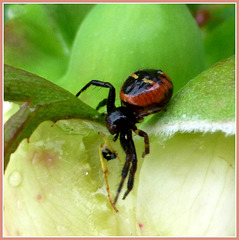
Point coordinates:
[(205, 104), (220, 43), (44, 101)]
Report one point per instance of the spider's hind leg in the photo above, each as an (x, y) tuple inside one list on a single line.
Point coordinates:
[(130, 165), (146, 140)]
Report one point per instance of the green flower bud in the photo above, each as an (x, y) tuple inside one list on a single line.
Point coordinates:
[(115, 40)]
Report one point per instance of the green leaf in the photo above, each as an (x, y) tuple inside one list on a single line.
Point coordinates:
[(217, 24), (220, 43), (205, 104), (39, 37), (43, 101)]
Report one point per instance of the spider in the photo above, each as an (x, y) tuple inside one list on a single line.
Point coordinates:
[(143, 93)]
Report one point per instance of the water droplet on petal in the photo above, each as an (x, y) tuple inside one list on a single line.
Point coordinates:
[(15, 179), (19, 204), (61, 229)]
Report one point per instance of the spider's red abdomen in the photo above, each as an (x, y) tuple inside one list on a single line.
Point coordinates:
[(146, 92)]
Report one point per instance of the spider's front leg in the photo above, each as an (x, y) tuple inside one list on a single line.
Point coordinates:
[(131, 159), (111, 97)]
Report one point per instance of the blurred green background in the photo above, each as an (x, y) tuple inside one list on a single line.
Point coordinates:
[(39, 37)]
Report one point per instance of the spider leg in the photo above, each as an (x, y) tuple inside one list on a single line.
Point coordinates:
[(116, 136), (111, 96), (102, 103), (129, 148), (146, 140), (133, 169)]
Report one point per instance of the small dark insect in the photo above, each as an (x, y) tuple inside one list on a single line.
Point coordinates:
[(143, 93)]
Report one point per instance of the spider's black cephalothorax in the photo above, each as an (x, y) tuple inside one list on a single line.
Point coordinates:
[(144, 92)]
